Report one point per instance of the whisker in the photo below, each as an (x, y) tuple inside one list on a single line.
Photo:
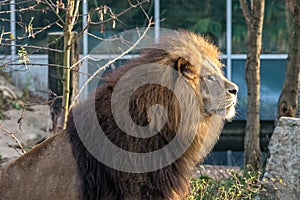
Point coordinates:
[(220, 105)]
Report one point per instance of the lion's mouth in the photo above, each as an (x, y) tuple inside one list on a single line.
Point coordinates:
[(226, 109), (231, 104), (230, 111)]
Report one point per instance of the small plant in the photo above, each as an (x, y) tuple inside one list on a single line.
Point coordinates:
[(239, 185), (26, 89), (23, 56), (15, 105), (1, 108)]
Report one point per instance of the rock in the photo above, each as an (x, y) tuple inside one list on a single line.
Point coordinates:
[(282, 176), (33, 129), (8, 90), (216, 172)]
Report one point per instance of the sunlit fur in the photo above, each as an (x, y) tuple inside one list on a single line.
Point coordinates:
[(197, 61)]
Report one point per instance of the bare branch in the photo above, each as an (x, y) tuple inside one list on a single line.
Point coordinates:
[(75, 14), (246, 12), (48, 102), (79, 61), (293, 6), (54, 10), (83, 31), (39, 30), (145, 13), (7, 132), (132, 6), (33, 47), (3, 2), (110, 62), (33, 7)]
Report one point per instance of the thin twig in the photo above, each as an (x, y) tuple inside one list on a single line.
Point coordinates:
[(82, 32), (79, 61), (246, 12), (121, 13), (7, 132), (53, 9), (113, 17), (38, 30), (76, 13), (110, 62), (20, 120), (33, 47)]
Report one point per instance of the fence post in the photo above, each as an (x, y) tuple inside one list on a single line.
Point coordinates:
[(55, 77)]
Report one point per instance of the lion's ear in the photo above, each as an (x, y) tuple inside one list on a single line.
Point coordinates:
[(185, 68)]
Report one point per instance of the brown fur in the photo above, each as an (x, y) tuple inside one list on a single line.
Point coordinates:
[(48, 171)]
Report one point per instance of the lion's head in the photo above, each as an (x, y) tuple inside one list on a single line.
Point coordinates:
[(219, 95), (198, 61)]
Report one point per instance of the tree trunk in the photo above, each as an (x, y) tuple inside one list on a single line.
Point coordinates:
[(288, 100), (72, 12), (55, 80), (254, 19), (56, 77)]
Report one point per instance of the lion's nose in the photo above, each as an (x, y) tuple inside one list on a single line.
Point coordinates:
[(233, 89)]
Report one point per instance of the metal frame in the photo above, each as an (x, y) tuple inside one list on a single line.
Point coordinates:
[(228, 37), (228, 54), (12, 16), (85, 48)]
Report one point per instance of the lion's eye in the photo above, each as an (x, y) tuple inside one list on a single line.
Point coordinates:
[(210, 78)]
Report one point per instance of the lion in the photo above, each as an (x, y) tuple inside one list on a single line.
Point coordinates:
[(190, 108)]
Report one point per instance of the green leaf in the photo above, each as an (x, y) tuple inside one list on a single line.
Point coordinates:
[(15, 105)]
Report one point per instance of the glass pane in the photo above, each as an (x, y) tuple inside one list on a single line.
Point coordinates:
[(272, 78), (224, 69), (239, 29), (4, 28), (131, 19), (34, 20), (275, 34), (275, 30), (221, 158), (205, 17)]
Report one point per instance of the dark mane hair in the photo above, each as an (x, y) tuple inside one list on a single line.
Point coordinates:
[(99, 181)]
